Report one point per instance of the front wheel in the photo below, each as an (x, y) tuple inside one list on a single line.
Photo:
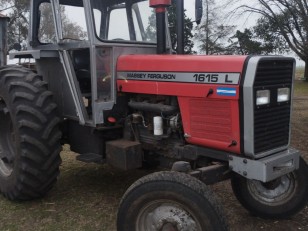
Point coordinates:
[(169, 201), (280, 198)]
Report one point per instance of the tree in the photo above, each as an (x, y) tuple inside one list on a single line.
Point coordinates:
[(151, 28), (211, 33), (286, 18), (244, 43), (268, 32), (19, 23), (188, 36)]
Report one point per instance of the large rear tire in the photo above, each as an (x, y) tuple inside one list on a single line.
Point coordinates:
[(169, 201), (280, 198), (29, 135)]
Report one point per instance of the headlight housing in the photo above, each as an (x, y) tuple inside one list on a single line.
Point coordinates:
[(283, 94), (263, 97)]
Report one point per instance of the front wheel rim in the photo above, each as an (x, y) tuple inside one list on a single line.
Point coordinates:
[(283, 191), (166, 215)]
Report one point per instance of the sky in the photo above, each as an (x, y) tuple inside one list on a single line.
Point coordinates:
[(190, 7)]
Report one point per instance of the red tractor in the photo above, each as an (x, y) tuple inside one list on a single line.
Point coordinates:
[(115, 91)]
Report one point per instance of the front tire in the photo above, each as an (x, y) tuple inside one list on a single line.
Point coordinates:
[(169, 201), (280, 198), (29, 135)]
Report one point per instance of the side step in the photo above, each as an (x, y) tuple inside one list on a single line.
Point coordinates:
[(91, 158)]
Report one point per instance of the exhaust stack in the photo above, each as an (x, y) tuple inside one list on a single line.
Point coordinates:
[(180, 26), (160, 9)]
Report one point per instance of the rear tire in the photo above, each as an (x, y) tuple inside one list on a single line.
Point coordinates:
[(169, 201), (30, 137), (280, 198)]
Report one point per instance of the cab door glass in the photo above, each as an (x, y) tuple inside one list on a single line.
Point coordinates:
[(103, 72), (144, 19), (46, 32), (139, 33), (73, 22), (97, 16)]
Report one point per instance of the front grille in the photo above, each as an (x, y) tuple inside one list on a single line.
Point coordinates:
[(271, 128), (271, 73), (271, 122)]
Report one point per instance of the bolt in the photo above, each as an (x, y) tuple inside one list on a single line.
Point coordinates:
[(245, 173), (230, 157), (5, 110), (245, 161)]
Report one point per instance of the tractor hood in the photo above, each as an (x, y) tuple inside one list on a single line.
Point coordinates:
[(181, 75)]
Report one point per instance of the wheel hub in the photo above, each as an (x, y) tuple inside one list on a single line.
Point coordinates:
[(165, 215), (169, 227), (274, 192), (272, 184)]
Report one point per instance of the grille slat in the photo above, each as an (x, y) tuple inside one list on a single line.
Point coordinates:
[(271, 124), (259, 123)]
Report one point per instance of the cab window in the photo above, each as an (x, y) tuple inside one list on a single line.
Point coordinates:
[(72, 18), (124, 21)]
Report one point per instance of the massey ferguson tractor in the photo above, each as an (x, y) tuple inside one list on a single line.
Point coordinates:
[(118, 94)]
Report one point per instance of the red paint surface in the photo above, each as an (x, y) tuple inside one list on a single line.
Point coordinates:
[(211, 121), (181, 63), (157, 3), (160, 10)]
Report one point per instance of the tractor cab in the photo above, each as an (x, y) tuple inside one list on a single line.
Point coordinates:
[(83, 40)]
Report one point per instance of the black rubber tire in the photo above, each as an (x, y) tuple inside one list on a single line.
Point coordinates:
[(35, 148), (281, 208), (179, 188)]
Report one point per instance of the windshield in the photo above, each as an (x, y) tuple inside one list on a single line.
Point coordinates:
[(124, 20)]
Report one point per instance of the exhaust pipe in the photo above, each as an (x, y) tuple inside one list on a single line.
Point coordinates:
[(180, 26), (160, 9)]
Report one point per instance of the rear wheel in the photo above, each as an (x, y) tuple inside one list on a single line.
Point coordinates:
[(29, 135), (169, 201), (280, 198)]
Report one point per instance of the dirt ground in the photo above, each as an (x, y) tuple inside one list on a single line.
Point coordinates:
[(86, 196)]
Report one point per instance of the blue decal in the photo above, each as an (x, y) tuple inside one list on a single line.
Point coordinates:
[(226, 91)]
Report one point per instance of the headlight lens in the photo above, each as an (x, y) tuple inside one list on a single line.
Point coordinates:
[(283, 94), (263, 97)]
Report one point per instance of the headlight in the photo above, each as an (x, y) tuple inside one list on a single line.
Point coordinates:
[(283, 94), (263, 97)]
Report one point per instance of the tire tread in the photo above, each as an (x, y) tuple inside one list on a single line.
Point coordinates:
[(33, 111)]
